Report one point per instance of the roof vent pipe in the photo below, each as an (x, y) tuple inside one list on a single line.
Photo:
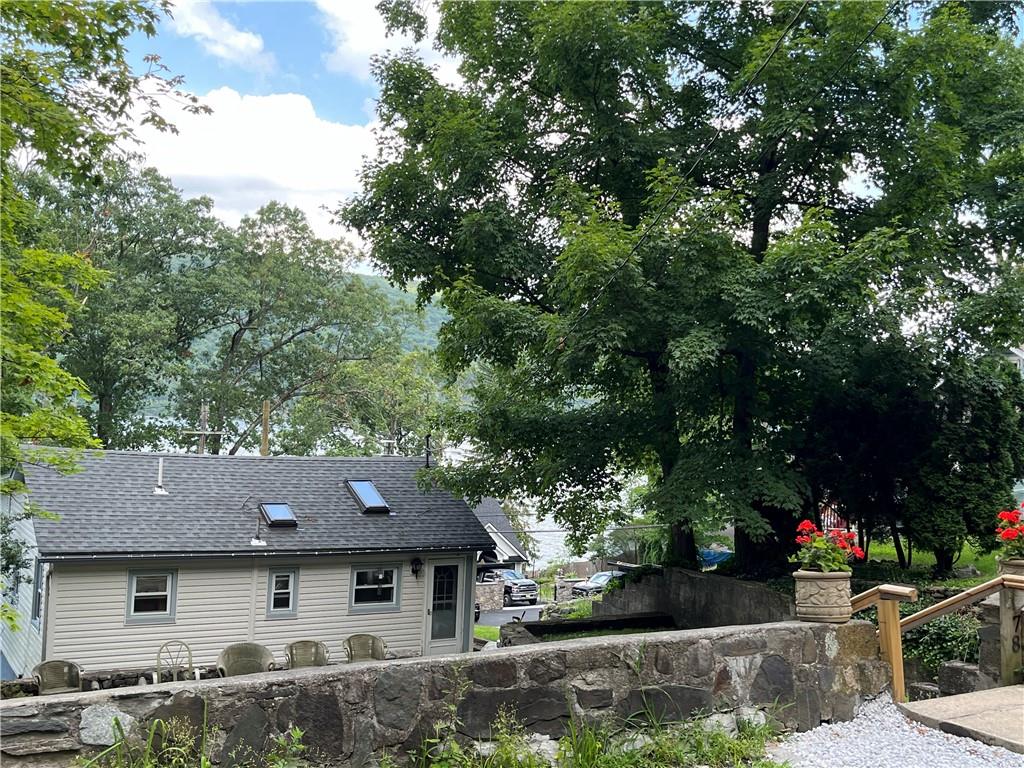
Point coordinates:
[(159, 489), (427, 450)]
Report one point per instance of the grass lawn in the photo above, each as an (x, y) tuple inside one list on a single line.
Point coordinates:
[(923, 562), (486, 633)]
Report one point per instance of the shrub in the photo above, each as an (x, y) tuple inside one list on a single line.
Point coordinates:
[(953, 637)]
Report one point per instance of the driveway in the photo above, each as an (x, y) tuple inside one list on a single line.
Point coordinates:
[(505, 615)]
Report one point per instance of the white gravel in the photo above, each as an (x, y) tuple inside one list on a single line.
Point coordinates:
[(880, 736)]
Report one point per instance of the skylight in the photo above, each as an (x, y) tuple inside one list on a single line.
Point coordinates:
[(278, 514), (367, 496)]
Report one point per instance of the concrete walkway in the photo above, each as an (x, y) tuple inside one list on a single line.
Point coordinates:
[(995, 716)]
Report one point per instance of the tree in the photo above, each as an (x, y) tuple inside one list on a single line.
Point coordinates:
[(162, 254), (67, 90), (637, 303), (960, 480), (369, 407), (291, 314)]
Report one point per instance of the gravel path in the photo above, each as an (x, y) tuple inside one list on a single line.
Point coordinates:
[(882, 737)]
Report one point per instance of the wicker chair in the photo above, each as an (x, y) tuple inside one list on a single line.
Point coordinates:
[(365, 648), (57, 677), (175, 657), (244, 659), (307, 653)]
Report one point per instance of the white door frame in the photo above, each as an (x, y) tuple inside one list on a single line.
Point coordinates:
[(452, 645)]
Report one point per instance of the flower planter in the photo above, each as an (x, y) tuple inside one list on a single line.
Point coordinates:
[(823, 596), (1011, 567)]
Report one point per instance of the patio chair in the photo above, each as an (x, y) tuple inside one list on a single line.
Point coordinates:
[(57, 676), (365, 648), (175, 656), (307, 653), (244, 659)]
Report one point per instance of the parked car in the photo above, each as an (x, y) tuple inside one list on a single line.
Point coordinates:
[(596, 584), (518, 588)]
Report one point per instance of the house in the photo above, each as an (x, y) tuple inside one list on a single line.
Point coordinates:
[(506, 546), (214, 550)]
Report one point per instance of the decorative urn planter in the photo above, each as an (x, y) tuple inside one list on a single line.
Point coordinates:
[(1013, 566), (823, 596)]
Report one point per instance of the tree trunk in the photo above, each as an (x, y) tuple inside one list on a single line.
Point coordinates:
[(683, 546), (900, 554), (105, 420)]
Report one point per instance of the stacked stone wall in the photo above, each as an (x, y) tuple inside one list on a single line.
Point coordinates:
[(695, 599), (489, 595), (803, 674)]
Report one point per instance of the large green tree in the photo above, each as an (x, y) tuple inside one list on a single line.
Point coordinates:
[(291, 313), (370, 407), (164, 289), (649, 225)]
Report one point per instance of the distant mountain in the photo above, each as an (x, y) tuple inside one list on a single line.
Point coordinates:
[(421, 334)]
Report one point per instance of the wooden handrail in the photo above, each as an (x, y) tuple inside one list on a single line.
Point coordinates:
[(891, 627), (875, 595), (950, 604)]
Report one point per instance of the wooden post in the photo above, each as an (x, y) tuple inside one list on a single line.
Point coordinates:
[(265, 435), (1011, 630), (891, 642)]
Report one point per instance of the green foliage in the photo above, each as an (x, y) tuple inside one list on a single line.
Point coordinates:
[(165, 289), (392, 401), (953, 637), (594, 745), (175, 743), (621, 322)]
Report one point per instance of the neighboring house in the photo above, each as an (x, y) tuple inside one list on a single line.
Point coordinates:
[(506, 547), (214, 550), (1016, 356)]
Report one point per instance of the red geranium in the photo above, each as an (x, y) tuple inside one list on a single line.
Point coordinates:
[(825, 552), (1010, 530)]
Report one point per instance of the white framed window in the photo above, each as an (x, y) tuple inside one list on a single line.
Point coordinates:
[(151, 596), (375, 588), (283, 593), (38, 592)]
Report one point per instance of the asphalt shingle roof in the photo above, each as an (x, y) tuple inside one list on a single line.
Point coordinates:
[(212, 506)]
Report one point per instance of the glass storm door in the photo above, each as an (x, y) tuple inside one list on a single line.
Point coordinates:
[(444, 608)]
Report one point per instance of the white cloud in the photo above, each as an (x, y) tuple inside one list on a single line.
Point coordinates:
[(220, 37), (358, 32), (254, 149)]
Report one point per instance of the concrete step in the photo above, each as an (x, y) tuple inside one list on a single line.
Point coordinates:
[(995, 716)]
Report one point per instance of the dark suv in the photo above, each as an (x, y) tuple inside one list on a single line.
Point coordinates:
[(518, 588), (596, 584)]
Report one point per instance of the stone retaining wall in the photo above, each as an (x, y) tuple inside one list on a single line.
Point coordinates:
[(489, 595), (696, 599), (804, 673)]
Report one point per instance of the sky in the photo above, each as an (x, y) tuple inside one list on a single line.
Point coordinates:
[(292, 96)]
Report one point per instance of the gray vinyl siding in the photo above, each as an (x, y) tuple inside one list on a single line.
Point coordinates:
[(22, 649), (220, 602)]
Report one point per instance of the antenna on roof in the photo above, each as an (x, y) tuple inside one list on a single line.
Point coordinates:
[(428, 449), (158, 489)]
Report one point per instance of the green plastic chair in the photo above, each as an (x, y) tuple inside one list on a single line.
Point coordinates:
[(56, 676), (244, 659), (307, 653), (365, 648)]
